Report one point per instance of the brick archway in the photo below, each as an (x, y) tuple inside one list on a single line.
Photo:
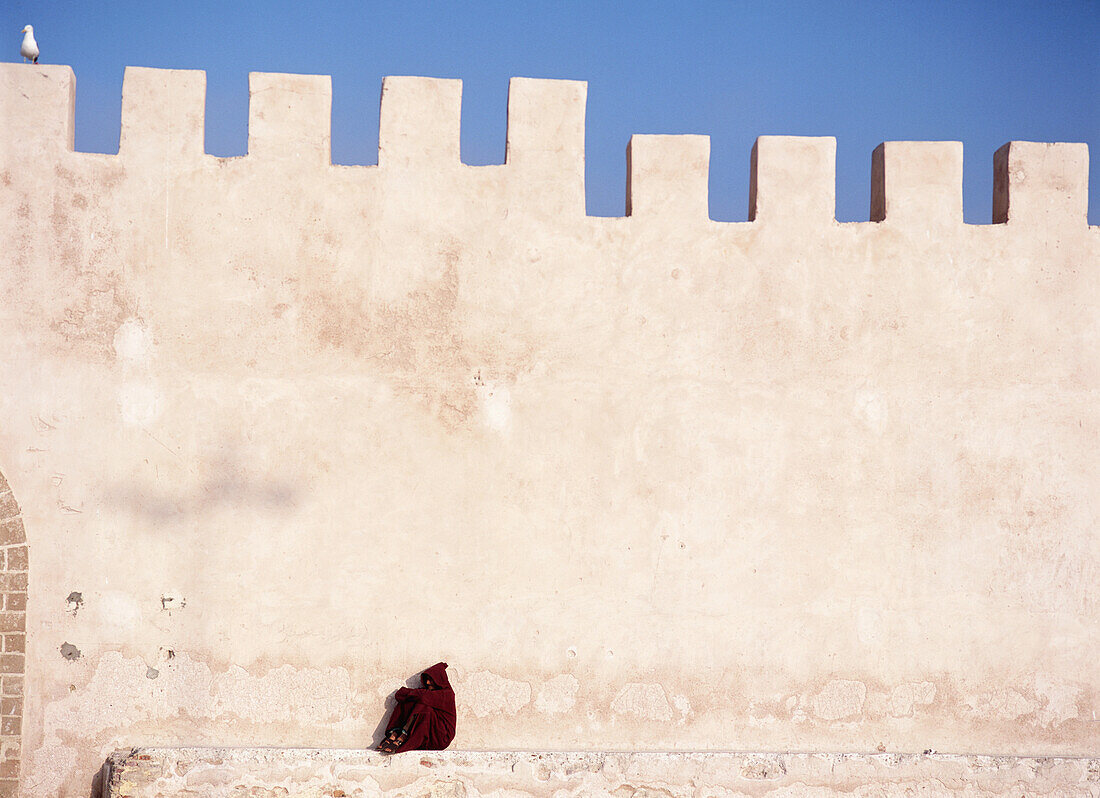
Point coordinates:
[(13, 632)]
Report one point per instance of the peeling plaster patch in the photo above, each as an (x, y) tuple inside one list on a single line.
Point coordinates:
[(305, 697), (763, 766), (172, 601), (1004, 704), (132, 342), (798, 706), (840, 698), (49, 768), (496, 406), (74, 602), (119, 696), (683, 706), (905, 697), (210, 776), (70, 652), (558, 695), (647, 701), (1060, 702), (869, 626), (139, 403), (871, 409), (485, 693), (117, 612)]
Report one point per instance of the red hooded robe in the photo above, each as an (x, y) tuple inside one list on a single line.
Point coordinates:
[(428, 715)]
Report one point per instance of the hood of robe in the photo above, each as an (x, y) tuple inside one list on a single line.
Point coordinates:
[(438, 674)]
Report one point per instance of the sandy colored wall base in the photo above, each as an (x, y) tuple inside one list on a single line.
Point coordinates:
[(275, 773)]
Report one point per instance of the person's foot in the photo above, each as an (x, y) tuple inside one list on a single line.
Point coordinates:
[(392, 741)]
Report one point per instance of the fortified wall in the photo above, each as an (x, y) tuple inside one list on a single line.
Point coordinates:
[(276, 434)]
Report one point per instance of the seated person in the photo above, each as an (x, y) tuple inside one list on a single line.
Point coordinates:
[(424, 718)]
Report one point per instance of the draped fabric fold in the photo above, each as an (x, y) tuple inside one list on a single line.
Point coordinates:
[(425, 715)]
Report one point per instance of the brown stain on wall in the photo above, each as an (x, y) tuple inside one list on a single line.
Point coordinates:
[(87, 325), (84, 309), (418, 344)]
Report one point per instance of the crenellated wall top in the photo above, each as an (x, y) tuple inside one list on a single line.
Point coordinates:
[(792, 178)]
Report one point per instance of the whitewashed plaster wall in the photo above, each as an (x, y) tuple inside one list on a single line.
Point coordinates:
[(283, 433)]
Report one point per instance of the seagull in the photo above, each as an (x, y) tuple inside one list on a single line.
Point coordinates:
[(29, 48)]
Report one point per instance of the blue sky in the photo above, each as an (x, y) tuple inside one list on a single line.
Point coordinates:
[(865, 72)]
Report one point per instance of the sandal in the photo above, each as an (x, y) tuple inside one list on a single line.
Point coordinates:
[(393, 740)]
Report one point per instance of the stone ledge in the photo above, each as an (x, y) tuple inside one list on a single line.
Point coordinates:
[(328, 773)]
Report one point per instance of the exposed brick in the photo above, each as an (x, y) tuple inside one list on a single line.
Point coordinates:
[(9, 769), (10, 748), (11, 685), (12, 532), (11, 706), (12, 725), (12, 583), (11, 663), (17, 558), (9, 788), (13, 621), (8, 507), (15, 601), (15, 642)]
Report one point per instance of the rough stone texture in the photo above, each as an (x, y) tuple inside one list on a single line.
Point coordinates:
[(13, 623), (305, 773), (651, 482)]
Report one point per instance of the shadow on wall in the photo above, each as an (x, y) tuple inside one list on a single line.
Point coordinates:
[(389, 705), (227, 484), (100, 781)]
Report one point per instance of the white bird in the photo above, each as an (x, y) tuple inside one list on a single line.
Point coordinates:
[(29, 48)]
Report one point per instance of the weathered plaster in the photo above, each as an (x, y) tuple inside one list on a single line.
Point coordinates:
[(214, 773), (283, 432)]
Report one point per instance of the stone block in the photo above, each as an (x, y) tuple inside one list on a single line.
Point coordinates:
[(290, 118), (420, 123), (793, 180), (17, 558), (8, 506), (37, 106), (667, 176), (917, 182), (163, 114), (546, 138), (11, 531), (1036, 183)]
